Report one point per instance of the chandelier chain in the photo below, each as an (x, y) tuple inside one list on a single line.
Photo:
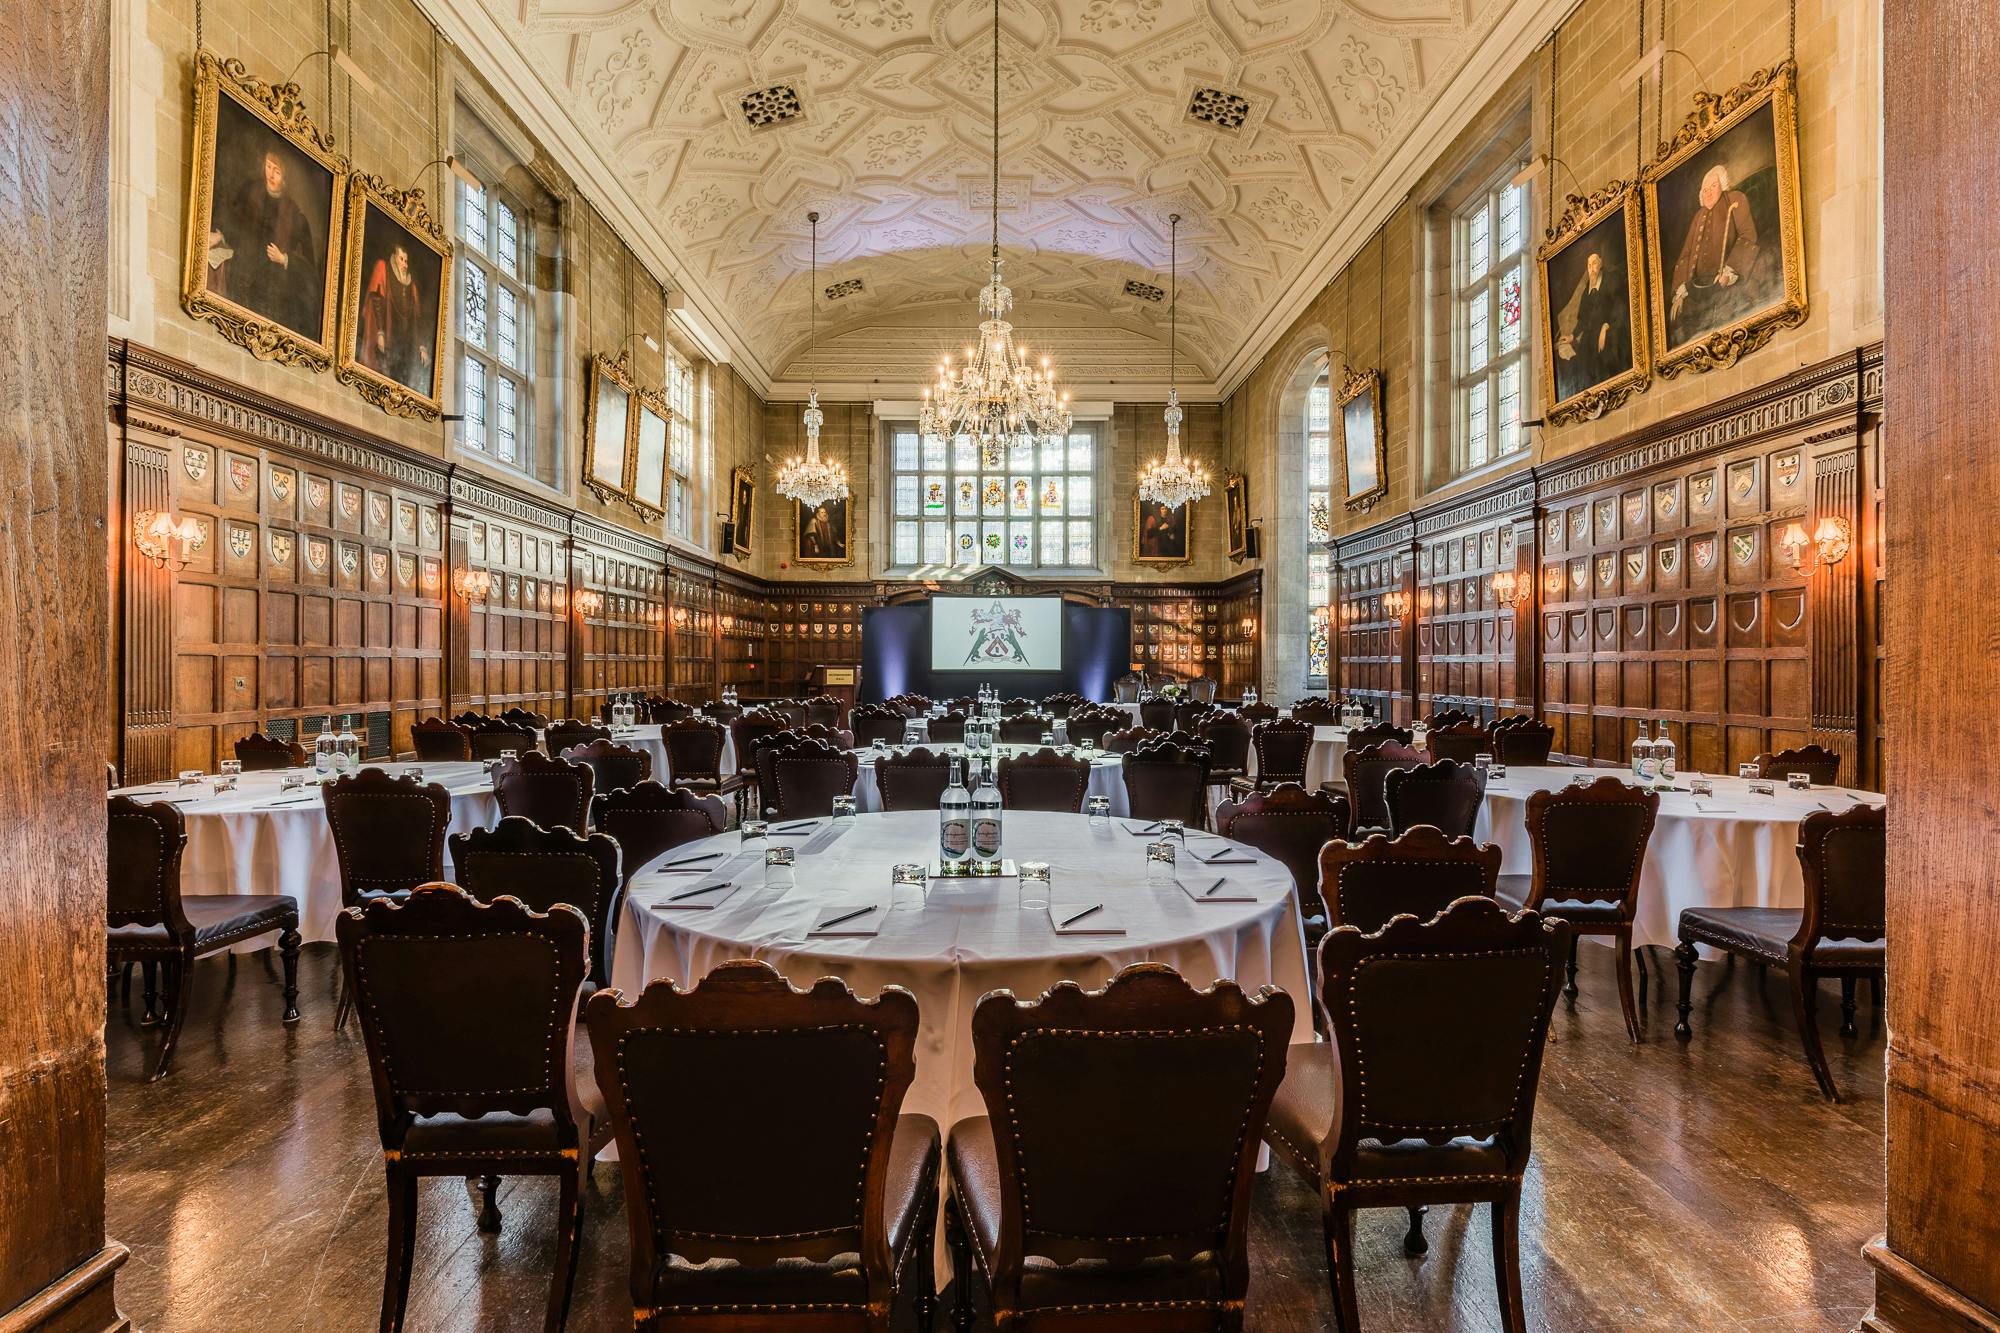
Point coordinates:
[(994, 200)]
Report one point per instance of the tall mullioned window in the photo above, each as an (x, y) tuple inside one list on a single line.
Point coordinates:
[(1034, 507), (496, 325), (1490, 321), (1319, 521)]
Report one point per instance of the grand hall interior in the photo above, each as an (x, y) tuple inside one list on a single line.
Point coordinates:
[(933, 665)]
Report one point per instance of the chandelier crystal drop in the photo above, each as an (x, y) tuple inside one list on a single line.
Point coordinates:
[(1174, 480), (812, 480), (997, 396)]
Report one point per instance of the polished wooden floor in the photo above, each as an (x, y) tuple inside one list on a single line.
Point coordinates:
[(1697, 1187)]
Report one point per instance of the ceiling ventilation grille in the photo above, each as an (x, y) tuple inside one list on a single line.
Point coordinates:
[(1145, 291), (846, 287), (1214, 107), (768, 108)]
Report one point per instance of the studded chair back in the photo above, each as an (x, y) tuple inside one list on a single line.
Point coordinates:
[(259, 753), (143, 866), (613, 766), (1059, 704), (388, 833), (694, 748), (1129, 739), (800, 780), (543, 867), (1158, 714), (735, 1173), (1255, 713), (1190, 716), (438, 741), (1844, 860), (823, 709), (1125, 689), (750, 729), (665, 712), (1590, 845), (1451, 717), (1816, 762), (877, 724), (1419, 873), (1367, 772), (791, 710), (948, 729), (1526, 743), (524, 717), (1024, 728), (1085, 722), (647, 819), (1360, 738), (570, 733), (1187, 1077), (1228, 740), (496, 738), (1168, 781), (913, 781), (469, 718), (1043, 780), (1445, 795), (1316, 709), (1459, 741), (722, 712), (1202, 689), (1282, 747), (1289, 824), (554, 793)]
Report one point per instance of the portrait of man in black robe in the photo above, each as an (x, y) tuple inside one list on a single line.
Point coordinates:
[(267, 225), (1593, 322)]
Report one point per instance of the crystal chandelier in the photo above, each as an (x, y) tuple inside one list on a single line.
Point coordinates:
[(1174, 480), (812, 481), (997, 396)]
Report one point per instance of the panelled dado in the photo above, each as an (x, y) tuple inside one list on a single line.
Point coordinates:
[(1657, 585)]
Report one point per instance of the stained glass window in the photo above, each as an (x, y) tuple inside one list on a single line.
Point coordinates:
[(1490, 338), (1028, 507), (1319, 519)]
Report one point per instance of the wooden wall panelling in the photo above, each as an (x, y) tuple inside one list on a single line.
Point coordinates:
[(742, 636), (815, 624), (1376, 658), (518, 634), (621, 647), (1868, 574), (692, 630), (1466, 639), (146, 737), (1834, 598)]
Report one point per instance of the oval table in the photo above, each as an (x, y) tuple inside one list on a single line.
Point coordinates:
[(1734, 849), (1107, 776), (969, 936), (263, 839)]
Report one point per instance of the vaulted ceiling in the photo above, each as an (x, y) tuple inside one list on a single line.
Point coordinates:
[(1260, 122)]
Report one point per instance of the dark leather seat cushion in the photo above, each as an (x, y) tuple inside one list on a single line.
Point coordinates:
[(913, 1166), (1766, 933), (1513, 890), (218, 919), (1302, 1115), (499, 1133), (975, 1179)]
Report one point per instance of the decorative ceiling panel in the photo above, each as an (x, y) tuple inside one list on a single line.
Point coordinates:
[(1259, 121)]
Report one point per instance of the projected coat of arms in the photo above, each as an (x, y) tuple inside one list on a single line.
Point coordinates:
[(996, 637)]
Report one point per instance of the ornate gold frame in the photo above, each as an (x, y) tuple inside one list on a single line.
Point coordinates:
[(1186, 512), (846, 540), (742, 482), (408, 209), (603, 367), (1714, 116), (1236, 499), (646, 400), (1357, 383), (279, 107), (1580, 214)]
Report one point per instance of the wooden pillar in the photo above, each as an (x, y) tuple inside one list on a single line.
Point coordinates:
[(1938, 1264), (56, 1266)]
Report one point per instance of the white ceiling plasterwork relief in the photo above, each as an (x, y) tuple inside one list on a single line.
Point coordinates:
[(1259, 121)]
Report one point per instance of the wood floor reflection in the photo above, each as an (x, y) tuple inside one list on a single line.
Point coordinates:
[(1705, 1186)]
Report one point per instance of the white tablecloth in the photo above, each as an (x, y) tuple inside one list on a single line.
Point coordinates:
[(1107, 778), (240, 842), (648, 738), (971, 936), (1730, 850), (1323, 761)]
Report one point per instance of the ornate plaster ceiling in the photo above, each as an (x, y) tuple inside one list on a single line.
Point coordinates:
[(1259, 121)]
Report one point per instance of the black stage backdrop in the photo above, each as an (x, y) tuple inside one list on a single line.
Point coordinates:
[(896, 656)]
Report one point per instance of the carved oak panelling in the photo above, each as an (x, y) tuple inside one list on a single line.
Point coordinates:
[(1467, 640), (620, 644), (517, 635), (1372, 654)]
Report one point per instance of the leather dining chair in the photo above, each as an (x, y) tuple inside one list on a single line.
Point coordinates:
[(913, 781), (948, 729), (1202, 689), (1255, 713), (1446, 795), (260, 753), (1157, 714), (1453, 1017), (542, 867), (1125, 689), (151, 924), (800, 780), (1024, 728), (1450, 717), (1043, 780), (823, 710), (1815, 761), (1128, 739), (1143, 1226), (569, 733), (496, 738), (612, 765), (1228, 740), (663, 712), (1459, 741), (647, 820), (694, 753), (468, 1010), (1317, 710), (1418, 873), (1589, 845), (554, 793), (1282, 747), (742, 1213), (1375, 733), (1290, 824), (874, 724), (437, 741), (1367, 769), (1525, 743), (524, 717), (388, 836), (1168, 781), (1086, 722), (1840, 931), (721, 712)]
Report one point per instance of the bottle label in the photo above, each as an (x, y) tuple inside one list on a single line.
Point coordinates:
[(955, 837), (986, 837)]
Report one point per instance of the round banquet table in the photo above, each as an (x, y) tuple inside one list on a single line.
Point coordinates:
[(1733, 849), (1107, 776), (970, 936), (263, 839)]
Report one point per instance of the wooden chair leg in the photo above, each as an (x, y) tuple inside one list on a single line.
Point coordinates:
[(925, 1296), (125, 985), (962, 1276), (1686, 954), (569, 1244), (149, 973), (402, 1248), (1507, 1261), (1805, 999), (179, 981), (1847, 1006), (1414, 1243), (1639, 965), (1569, 981), (1623, 949), (1338, 1222), (342, 1003), (288, 947), (1874, 990), (489, 1206)]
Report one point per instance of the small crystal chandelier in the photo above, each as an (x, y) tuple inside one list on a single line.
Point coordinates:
[(997, 397), (1174, 480), (811, 480)]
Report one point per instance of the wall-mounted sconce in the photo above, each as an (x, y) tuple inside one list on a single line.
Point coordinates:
[(728, 623), (1511, 588), (680, 617), (589, 602), (474, 585), (1396, 602), (1249, 626), (156, 531), (1831, 537)]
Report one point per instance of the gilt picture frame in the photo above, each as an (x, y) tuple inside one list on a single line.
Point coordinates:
[(646, 455), (393, 300), (1364, 442), (1236, 514), (1160, 534), (1592, 286), (828, 541), (742, 510), (607, 426)]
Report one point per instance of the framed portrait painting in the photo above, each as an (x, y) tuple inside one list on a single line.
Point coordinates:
[(392, 308), (265, 207), (1595, 353), (646, 483), (1236, 514), (742, 510), (824, 533), (1160, 534), (607, 426), (1723, 241), (1364, 448)]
